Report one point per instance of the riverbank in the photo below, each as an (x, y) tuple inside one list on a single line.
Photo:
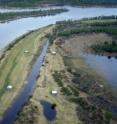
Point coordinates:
[(17, 62), (17, 15)]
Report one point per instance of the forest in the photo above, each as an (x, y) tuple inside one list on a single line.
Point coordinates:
[(30, 3)]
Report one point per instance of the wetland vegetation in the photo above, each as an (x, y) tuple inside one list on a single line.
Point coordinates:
[(105, 47), (79, 86)]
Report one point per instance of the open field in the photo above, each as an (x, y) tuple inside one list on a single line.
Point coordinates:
[(82, 43), (16, 64)]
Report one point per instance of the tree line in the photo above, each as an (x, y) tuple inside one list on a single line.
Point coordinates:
[(24, 3)]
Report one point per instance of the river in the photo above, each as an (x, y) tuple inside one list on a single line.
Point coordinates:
[(12, 29)]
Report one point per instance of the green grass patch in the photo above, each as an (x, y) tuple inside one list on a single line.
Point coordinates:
[(105, 47)]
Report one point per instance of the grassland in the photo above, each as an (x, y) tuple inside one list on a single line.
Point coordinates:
[(16, 64)]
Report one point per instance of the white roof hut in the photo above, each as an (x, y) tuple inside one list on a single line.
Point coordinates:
[(9, 87), (54, 92), (101, 86), (26, 51), (53, 52), (43, 63)]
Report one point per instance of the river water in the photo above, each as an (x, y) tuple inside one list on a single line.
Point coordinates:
[(12, 29)]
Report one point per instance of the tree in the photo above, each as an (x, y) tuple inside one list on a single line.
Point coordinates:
[(108, 116)]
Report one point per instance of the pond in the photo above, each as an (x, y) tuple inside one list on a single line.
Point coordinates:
[(104, 65), (48, 111), (12, 29)]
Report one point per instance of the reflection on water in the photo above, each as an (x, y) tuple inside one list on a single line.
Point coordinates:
[(105, 65), (48, 110)]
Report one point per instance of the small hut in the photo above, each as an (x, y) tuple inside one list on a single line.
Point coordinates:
[(9, 87), (43, 64), (54, 92), (26, 51), (53, 52), (101, 86)]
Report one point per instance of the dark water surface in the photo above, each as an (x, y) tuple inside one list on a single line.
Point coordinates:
[(48, 111), (102, 64)]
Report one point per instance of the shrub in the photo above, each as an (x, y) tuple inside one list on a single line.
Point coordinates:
[(66, 91), (108, 115)]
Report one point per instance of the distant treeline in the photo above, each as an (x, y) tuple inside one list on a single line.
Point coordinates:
[(93, 2), (88, 25), (88, 30), (26, 3), (101, 17), (30, 3)]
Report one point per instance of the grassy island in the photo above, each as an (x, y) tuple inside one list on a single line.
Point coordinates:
[(15, 15)]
